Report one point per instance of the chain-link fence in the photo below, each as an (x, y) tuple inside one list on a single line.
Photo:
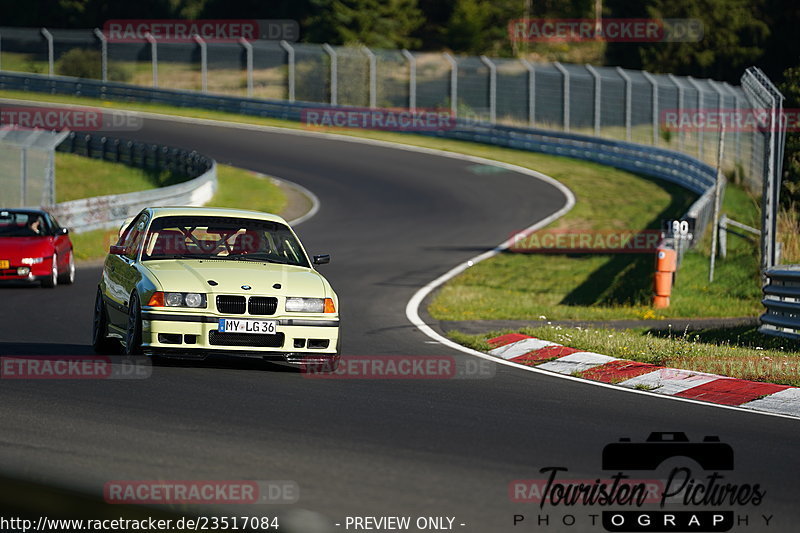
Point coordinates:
[(607, 102), (27, 167)]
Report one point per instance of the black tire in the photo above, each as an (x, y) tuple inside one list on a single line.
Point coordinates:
[(133, 334), (101, 344), (51, 281), (68, 277)]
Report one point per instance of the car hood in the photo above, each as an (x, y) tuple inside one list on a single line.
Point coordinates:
[(18, 247), (194, 275)]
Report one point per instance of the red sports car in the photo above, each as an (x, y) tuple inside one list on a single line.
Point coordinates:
[(33, 247)]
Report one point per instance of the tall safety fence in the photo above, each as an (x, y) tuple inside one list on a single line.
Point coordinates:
[(606, 102), (27, 167)]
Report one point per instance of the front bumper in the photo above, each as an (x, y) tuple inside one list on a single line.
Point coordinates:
[(298, 339), (30, 273)]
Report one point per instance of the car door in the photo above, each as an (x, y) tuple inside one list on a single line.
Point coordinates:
[(120, 272), (61, 242)]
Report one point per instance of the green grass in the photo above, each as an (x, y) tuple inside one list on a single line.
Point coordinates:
[(238, 188), (515, 286), (597, 287), (83, 177), (736, 352)]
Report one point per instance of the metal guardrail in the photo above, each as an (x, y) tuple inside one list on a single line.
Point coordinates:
[(661, 163), (782, 300), (111, 210)]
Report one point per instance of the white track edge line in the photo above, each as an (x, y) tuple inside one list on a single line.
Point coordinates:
[(412, 308)]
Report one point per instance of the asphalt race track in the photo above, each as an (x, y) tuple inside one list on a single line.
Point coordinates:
[(392, 221)]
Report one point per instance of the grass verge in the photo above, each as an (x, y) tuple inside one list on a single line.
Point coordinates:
[(736, 352), (238, 188)]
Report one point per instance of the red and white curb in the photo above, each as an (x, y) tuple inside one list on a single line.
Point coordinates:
[(546, 355)]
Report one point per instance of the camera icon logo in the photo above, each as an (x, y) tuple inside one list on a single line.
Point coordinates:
[(710, 454)]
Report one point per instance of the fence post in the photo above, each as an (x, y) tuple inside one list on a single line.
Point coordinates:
[(103, 53), (531, 92), (50, 59), (654, 98), (597, 98), (373, 77), (492, 88), (248, 48), (153, 56), (737, 150), (412, 79), (565, 94), (700, 136), (628, 91), (453, 83), (334, 72), (674, 80), (290, 66), (203, 63)]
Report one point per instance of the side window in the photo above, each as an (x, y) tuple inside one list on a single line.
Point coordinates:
[(133, 236)]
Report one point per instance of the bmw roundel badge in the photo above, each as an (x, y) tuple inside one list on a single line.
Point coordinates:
[(246, 287)]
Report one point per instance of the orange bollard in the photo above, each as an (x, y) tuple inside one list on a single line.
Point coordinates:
[(666, 260), (660, 302)]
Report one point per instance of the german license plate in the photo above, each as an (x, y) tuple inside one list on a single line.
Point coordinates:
[(4, 264), (247, 325)]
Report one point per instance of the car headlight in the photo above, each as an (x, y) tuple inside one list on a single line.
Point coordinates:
[(310, 305), (173, 299), (177, 299), (32, 260), (193, 299)]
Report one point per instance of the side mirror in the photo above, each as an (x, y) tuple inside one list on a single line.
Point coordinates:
[(62, 231), (117, 250), (321, 259)]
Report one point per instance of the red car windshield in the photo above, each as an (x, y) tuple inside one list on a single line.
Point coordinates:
[(22, 224)]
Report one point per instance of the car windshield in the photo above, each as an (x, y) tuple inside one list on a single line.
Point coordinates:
[(223, 238), (22, 224)]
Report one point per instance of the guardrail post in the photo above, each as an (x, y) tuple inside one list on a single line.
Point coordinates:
[(203, 63), (373, 76), (723, 236), (531, 91), (492, 89), (50, 53), (654, 98), (248, 50), (674, 80), (412, 79), (334, 72), (153, 56), (290, 67), (453, 83), (597, 94), (565, 94), (700, 135), (628, 92), (103, 53)]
